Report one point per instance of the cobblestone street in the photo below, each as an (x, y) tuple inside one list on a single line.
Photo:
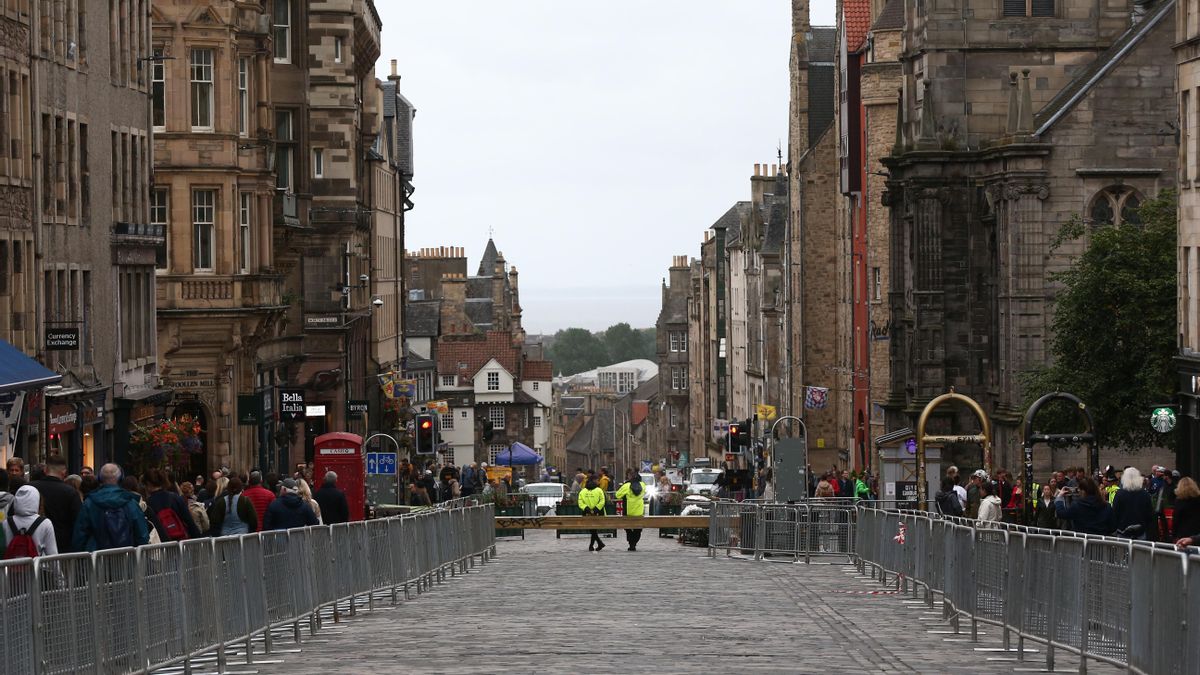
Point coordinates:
[(548, 605)]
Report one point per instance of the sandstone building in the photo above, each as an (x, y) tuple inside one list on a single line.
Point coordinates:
[(1187, 55)]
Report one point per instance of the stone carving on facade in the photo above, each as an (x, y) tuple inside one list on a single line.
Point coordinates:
[(14, 202), (13, 33), (1015, 191)]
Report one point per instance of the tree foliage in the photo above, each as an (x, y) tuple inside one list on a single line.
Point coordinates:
[(1113, 333), (575, 350)]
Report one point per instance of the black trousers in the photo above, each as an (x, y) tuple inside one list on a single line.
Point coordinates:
[(633, 537), (595, 540)]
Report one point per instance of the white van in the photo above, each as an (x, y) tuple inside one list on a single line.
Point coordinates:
[(704, 482)]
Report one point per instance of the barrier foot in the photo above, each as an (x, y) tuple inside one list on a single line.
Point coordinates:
[(222, 664), (1020, 647), (267, 639), (187, 667), (974, 630), (353, 605), (296, 631), (1007, 639), (249, 651), (370, 601)]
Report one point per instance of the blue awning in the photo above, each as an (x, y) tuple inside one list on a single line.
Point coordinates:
[(19, 372), (518, 453)]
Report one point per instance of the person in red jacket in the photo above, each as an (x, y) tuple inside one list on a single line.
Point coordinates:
[(258, 495)]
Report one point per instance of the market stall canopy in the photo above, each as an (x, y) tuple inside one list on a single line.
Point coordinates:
[(517, 454), (18, 372)]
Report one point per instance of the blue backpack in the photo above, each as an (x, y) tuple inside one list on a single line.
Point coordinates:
[(116, 531)]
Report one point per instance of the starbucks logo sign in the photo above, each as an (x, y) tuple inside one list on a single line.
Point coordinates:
[(1162, 420)]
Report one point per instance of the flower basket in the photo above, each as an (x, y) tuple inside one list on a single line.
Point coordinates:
[(169, 444)]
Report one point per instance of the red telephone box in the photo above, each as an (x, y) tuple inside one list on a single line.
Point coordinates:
[(342, 453)]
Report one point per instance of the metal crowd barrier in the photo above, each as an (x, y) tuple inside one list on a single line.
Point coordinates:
[(804, 529), (139, 609), (1132, 604)]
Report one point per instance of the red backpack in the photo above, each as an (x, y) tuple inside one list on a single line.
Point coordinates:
[(22, 545), (172, 524)]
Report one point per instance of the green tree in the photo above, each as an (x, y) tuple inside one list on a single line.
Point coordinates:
[(1114, 327), (576, 350), (625, 344)]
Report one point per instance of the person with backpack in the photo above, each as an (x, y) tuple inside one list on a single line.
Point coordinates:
[(290, 510), (172, 518), (110, 517), (27, 533), (231, 513)]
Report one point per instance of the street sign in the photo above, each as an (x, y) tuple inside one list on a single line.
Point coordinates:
[(1162, 420), (906, 494), (381, 463), (62, 339)]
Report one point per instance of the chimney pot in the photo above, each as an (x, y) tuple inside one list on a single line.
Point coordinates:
[(394, 73)]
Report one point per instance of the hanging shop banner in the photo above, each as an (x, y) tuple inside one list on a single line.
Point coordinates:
[(291, 405)]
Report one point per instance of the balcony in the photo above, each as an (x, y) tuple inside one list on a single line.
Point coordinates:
[(219, 292)]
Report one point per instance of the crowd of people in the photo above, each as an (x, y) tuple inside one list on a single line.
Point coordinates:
[(431, 482), (1161, 506), (44, 511)]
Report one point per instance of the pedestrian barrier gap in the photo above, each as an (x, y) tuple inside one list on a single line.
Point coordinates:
[(139, 609)]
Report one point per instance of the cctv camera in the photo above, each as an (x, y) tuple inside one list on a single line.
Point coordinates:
[(364, 278), (378, 302)]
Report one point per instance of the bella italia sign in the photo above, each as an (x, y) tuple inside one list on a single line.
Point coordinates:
[(291, 404)]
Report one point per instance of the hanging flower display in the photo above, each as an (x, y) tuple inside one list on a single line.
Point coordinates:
[(168, 444)]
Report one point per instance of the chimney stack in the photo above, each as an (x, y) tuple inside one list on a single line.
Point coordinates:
[(395, 76)]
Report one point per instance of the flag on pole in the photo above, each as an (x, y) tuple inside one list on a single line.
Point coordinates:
[(816, 398), (765, 412)]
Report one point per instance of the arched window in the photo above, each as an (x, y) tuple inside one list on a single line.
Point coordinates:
[(1115, 205)]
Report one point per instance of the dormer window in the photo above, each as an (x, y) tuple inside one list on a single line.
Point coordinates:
[(493, 381), (448, 381)]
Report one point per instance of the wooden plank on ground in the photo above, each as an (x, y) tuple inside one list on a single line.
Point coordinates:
[(598, 522)]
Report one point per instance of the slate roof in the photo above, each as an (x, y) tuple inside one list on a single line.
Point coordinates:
[(857, 19), (538, 370), (891, 18), (421, 319), (479, 310), (1094, 72), (731, 222), (581, 442), (479, 287), (822, 50), (647, 390), (602, 438), (467, 354), (487, 264)]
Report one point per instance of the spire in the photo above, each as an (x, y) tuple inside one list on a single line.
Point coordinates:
[(487, 264), (1025, 119), (928, 136), (1014, 109), (898, 147)]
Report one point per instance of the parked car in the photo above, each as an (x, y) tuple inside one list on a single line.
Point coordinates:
[(548, 495)]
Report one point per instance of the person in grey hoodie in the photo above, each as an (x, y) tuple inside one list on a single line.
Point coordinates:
[(24, 514)]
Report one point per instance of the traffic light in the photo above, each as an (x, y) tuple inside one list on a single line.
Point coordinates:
[(426, 437), (735, 433), (742, 437)]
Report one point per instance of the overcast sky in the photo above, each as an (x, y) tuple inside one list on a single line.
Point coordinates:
[(596, 139)]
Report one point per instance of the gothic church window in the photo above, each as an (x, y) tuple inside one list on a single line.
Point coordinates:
[(1115, 205)]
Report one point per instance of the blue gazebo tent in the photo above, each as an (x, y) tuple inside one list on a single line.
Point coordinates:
[(518, 454)]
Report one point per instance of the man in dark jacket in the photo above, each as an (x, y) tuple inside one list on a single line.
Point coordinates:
[(110, 517), (289, 510), (947, 499), (334, 508), (60, 502)]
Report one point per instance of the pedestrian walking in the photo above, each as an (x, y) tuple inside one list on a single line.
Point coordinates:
[(591, 503), (290, 510), (60, 502), (634, 494), (974, 498), (110, 516), (231, 513), (307, 495), (195, 507), (1044, 515), (172, 518), (27, 533), (1133, 508), (258, 495), (334, 507)]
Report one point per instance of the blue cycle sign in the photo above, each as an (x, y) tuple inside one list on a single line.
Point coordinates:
[(381, 463)]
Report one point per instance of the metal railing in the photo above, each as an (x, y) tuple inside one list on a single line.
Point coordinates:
[(801, 530), (138, 609), (1128, 603)]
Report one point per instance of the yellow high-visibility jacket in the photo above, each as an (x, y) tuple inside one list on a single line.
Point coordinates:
[(635, 505), (591, 499)]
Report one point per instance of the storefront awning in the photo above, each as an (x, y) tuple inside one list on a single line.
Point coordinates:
[(18, 372)]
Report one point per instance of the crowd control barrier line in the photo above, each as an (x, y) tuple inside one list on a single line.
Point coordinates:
[(213, 601), (1131, 604)]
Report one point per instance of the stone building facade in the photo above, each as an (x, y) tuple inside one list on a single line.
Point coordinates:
[(1014, 120), (1187, 56), (673, 343), (76, 248)]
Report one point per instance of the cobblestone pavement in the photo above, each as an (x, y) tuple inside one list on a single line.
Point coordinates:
[(548, 605)]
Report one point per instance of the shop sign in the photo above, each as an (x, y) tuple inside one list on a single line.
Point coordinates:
[(355, 409), (62, 339), (247, 409), (63, 418), (291, 405), (191, 383), (323, 321), (93, 414)]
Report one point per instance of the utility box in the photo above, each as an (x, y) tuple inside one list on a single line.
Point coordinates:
[(789, 466), (342, 453)]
